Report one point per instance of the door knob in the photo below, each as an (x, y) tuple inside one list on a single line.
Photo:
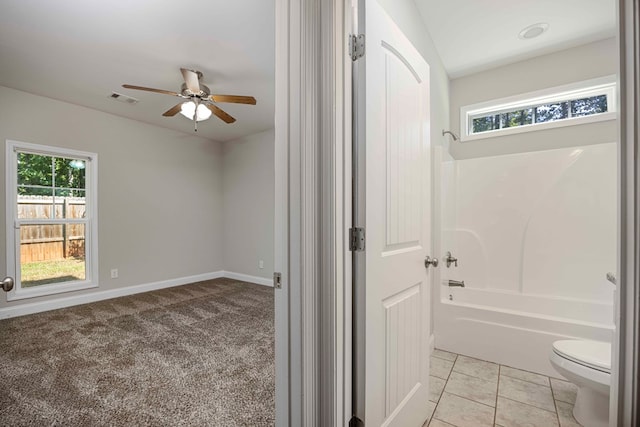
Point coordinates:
[(428, 262), (7, 284)]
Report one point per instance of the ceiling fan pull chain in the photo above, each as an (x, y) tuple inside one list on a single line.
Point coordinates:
[(195, 115)]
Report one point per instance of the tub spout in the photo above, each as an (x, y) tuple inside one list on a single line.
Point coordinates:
[(459, 283)]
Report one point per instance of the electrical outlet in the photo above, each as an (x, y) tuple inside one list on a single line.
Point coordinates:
[(114, 273), (261, 264)]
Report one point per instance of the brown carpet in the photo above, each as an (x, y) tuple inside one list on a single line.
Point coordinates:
[(194, 355)]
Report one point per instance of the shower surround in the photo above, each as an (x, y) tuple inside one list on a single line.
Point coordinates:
[(535, 235)]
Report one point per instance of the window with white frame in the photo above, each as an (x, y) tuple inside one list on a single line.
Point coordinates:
[(51, 219), (578, 103)]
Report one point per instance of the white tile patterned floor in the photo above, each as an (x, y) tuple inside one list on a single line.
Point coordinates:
[(467, 392)]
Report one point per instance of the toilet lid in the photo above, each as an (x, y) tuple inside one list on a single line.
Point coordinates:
[(594, 354)]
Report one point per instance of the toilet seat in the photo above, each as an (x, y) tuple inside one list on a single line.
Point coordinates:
[(591, 354)]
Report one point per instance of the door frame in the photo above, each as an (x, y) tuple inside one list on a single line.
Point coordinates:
[(625, 379), (312, 212)]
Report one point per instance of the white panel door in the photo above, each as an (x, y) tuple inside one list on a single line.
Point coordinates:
[(397, 222)]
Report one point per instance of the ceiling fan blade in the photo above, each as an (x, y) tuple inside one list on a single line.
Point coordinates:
[(191, 80), (220, 113), (148, 89), (234, 99), (173, 110)]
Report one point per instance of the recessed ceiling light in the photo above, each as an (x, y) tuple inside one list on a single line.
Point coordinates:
[(533, 30)]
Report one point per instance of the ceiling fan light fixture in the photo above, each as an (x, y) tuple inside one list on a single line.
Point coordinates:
[(188, 108)]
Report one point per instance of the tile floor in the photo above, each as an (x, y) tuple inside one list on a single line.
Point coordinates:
[(467, 392)]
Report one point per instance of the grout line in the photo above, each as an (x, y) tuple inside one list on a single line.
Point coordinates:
[(555, 404), (528, 382), (442, 421), (470, 400), (564, 401), (473, 376), (521, 379), (495, 413), (441, 393), (444, 351), (464, 374), (533, 406)]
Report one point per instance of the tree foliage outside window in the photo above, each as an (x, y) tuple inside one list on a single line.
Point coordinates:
[(588, 106), (542, 113), (40, 175)]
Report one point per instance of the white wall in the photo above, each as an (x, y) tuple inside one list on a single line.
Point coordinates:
[(585, 62), (160, 191), (248, 204), (541, 223)]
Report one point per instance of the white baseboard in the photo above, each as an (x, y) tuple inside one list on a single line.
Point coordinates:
[(246, 278), (68, 301)]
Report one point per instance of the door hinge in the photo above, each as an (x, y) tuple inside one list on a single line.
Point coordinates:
[(277, 280), (356, 239), (356, 46)]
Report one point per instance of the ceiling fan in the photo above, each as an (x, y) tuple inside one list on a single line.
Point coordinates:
[(199, 103)]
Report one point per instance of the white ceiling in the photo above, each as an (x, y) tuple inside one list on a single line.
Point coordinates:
[(81, 51), (474, 35)]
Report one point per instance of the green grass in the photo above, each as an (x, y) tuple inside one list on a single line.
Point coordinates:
[(45, 272)]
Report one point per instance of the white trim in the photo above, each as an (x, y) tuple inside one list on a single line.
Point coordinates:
[(310, 50), (309, 46), (625, 372), (13, 223), (602, 85), (69, 301), (247, 278), (432, 343), (334, 272), (287, 354)]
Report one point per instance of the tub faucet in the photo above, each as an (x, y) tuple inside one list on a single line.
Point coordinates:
[(450, 259), (458, 283)]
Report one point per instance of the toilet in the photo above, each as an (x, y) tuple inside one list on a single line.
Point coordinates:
[(587, 364)]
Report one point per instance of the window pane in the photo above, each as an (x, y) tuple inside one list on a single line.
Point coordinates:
[(52, 253), (483, 124), (35, 207), (588, 106), (35, 191), (517, 118), (34, 169), (551, 112), (70, 203), (70, 173)]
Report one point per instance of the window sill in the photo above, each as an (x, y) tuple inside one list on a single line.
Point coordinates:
[(52, 289), (541, 126)]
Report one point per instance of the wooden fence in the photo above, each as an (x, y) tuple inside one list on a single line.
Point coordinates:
[(51, 241)]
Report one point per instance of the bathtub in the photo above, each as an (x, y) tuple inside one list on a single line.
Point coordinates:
[(515, 329)]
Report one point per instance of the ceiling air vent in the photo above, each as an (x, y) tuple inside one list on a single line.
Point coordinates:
[(123, 98)]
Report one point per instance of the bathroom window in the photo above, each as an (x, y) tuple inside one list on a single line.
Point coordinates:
[(578, 103)]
